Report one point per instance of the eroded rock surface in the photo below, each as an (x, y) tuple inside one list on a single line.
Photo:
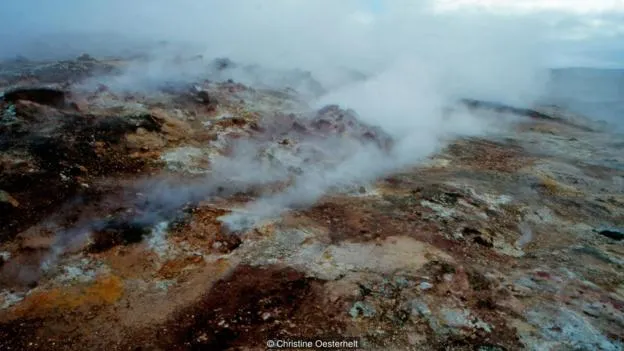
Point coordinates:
[(112, 233)]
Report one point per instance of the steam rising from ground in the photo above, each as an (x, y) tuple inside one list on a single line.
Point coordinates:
[(399, 69), (348, 164), (488, 56)]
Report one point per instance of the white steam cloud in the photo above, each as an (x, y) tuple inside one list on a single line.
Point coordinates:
[(412, 65)]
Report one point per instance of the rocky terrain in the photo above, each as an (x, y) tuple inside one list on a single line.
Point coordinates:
[(115, 213)]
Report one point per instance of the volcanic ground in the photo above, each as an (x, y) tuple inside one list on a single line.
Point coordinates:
[(112, 230)]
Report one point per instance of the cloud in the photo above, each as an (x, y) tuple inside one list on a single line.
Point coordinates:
[(579, 33), (527, 6)]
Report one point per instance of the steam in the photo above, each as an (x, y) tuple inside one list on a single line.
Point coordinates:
[(463, 50), (400, 69)]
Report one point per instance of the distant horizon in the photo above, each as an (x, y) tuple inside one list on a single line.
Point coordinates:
[(33, 51), (571, 33)]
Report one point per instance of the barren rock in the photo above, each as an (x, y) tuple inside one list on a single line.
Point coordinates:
[(43, 96), (125, 232)]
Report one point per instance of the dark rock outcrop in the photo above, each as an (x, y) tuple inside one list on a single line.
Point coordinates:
[(41, 95), (61, 152), (333, 119), (612, 233), (502, 108)]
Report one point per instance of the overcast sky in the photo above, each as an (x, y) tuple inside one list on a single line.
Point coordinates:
[(586, 32), (577, 32)]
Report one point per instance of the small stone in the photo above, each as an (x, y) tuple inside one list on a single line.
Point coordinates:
[(612, 233), (420, 308), (204, 97), (455, 317), (592, 309), (416, 339), (363, 308), (8, 199), (401, 282), (425, 286)]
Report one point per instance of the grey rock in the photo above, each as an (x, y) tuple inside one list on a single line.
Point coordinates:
[(425, 286), (571, 329), (420, 308), (457, 318), (362, 308)]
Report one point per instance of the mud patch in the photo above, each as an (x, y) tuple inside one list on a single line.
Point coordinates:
[(246, 309), (21, 334)]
